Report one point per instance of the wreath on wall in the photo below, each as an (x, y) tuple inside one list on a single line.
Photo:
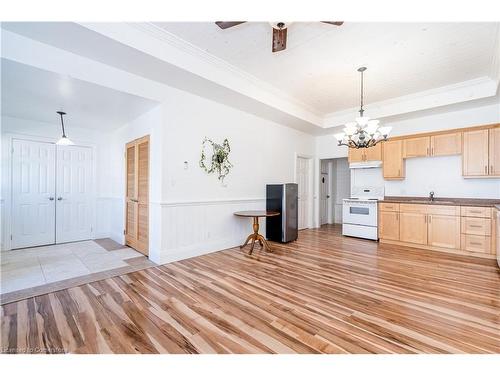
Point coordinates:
[(218, 155)]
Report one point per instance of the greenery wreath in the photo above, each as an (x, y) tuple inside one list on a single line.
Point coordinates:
[(219, 160)]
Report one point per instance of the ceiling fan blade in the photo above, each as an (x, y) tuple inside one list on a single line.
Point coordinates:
[(226, 25), (336, 23), (279, 39)]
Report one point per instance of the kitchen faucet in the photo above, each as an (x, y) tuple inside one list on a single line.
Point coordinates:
[(431, 196)]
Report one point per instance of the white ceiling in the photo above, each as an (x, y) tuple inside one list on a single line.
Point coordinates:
[(319, 65), (36, 94)]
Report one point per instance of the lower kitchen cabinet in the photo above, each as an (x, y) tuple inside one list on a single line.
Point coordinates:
[(413, 227), (444, 231), (389, 225)]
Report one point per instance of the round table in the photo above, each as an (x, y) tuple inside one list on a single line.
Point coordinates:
[(256, 236)]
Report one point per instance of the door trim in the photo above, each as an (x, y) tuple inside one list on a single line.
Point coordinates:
[(7, 176)]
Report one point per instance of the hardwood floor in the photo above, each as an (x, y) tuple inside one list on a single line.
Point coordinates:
[(323, 294)]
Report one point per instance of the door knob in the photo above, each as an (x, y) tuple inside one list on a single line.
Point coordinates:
[(59, 198), (51, 198)]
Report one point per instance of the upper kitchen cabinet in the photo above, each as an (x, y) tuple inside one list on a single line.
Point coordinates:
[(494, 152), (357, 155), (392, 157), (479, 153), (446, 144), (416, 147)]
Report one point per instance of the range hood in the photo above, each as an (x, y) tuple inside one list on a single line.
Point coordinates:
[(366, 164)]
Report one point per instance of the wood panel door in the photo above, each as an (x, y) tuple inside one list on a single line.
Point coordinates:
[(494, 152), (392, 156), (355, 155), (388, 225), (416, 147), (74, 187), (475, 153), (374, 153), (137, 194), (446, 144), (444, 231), (413, 227), (33, 193)]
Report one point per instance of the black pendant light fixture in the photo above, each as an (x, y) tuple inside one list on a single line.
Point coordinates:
[(363, 132), (63, 141)]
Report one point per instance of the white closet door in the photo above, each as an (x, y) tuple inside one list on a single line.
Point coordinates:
[(303, 193), (33, 192), (74, 194)]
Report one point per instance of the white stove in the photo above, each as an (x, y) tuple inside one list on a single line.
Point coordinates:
[(359, 213)]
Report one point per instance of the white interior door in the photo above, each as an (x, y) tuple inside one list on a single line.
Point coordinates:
[(33, 193), (303, 194), (74, 194), (324, 189)]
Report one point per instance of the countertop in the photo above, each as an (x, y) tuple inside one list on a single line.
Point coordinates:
[(445, 201)]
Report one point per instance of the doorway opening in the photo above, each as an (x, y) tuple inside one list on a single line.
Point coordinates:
[(335, 185)]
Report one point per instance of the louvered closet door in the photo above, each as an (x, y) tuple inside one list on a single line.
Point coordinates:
[(74, 194), (33, 193), (137, 195)]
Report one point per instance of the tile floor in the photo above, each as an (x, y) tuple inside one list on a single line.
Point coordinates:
[(31, 267)]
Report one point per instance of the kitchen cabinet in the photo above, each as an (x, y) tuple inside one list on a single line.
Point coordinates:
[(494, 152), (476, 244), (475, 157), (413, 227), (444, 231), (389, 225), (357, 155), (392, 158), (446, 144), (416, 147)]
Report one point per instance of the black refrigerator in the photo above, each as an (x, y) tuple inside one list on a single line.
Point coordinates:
[(282, 198)]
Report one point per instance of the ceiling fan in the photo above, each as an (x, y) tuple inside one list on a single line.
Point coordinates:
[(279, 31)]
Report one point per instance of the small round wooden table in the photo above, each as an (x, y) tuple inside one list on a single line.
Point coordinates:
[(256, 236)]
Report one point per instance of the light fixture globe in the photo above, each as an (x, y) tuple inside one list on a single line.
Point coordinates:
[(363, 132)]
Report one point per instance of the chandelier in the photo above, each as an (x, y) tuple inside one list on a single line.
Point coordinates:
[(63, 141), (363, 132)]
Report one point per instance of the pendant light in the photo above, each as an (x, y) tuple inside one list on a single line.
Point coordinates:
[(64, 141), (363, 132)]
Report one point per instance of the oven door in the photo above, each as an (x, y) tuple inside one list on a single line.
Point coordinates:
[(360, 213)]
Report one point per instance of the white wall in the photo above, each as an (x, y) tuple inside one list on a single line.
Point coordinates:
[(443, 175), (197, 210)]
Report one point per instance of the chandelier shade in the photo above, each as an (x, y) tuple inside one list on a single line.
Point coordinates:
[(363, 132)]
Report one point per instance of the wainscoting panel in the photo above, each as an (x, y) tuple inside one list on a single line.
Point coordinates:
[(194, 228)]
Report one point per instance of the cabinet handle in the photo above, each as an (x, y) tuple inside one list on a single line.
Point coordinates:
[(397, 216), (491, 169), (425, 218), (428, 152), (475, 226), (432, 151), (476, 243), (485, 169), (430, 219)]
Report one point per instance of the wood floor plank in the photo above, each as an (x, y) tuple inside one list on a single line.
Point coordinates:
[(324, 293)]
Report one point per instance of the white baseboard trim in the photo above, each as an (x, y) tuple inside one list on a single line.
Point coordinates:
[(173, 255)]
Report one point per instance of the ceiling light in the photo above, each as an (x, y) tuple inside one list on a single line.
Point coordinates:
[(64, 141), (362, 133)]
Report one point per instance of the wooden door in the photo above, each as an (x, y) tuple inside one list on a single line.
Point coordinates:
[(416, 147), (356, 155), (494, 152), (374, 153), (74, 190), (475, 153), (388, 225), (33, 193), (137, 194), (446, 144), (444, 231), (392, 157), (413, 227)]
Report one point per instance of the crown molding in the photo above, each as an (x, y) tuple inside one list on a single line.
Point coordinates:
[(478, 88), (144, 36)]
